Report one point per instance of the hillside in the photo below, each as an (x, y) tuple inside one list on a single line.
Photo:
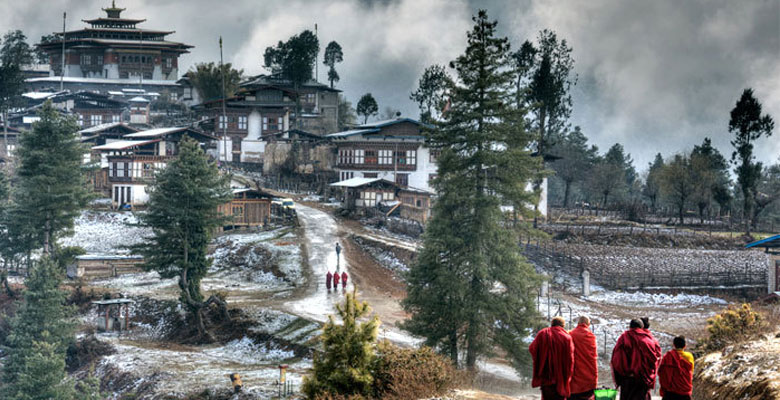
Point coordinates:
[(747, 371)]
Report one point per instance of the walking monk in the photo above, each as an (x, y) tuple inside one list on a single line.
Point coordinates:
[(635, 362), (328, 280), (552, 352), (586, 368), (336, 281), (344, 278), (676, 372)]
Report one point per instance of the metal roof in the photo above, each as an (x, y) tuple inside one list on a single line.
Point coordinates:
[(123, 144), (352, 132), (357, 182), (101, 127), (157, 132), (770, 242)]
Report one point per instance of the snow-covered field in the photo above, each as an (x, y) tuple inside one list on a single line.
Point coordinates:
[(105, 232)]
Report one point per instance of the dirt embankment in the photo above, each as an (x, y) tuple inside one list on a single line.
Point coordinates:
[(748, 371), (650, 240)]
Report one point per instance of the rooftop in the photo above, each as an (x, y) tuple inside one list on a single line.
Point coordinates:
[(123, 144), (358, 182)]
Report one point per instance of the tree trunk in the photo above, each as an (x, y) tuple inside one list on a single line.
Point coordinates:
[(5, 134), (681, 210), (454, 347), (566, 194), (46, 236)]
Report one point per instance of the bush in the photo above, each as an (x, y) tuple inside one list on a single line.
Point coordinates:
[(733, 325), (401, 374)]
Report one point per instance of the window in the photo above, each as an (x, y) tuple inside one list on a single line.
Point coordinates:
[(385, 157), (358, 157), (115, 118), (120, 169), (265, 123), (402, 179), (222, 122), (173, 96), (96, 120), (81, 120), (310, 98), (411, 157), (370, 175), (187, 93), (242, 122), (347, 175), (86, 59), (371, 157), (434, 155), (168, 62), (99, 60)]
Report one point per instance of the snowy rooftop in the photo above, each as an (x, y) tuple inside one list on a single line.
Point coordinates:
[(123, 144), (98, 128), (138, 99), (357, 182), (38, 95), (352, 132), (73, 79), (157, 132)]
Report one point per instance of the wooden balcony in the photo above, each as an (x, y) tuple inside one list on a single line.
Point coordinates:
[(377, 167)]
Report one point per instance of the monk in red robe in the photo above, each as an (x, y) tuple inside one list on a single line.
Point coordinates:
[(676, 372), (336, 280), (344, 278), (552, 352), (328, 280), (586, 368), (635, 361)]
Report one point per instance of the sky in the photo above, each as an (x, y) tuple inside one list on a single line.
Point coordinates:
[(655, 76)]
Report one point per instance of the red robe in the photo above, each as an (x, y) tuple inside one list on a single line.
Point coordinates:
[(336, 280), (636, 354), (586, 368), (344, 278), (553, 357), (675, 374), (328, 279)]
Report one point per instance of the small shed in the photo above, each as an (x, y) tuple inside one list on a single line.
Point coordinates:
[(415, 204), (91, 266), (771, 246), (113, 314), (248, 208), (366, 192)]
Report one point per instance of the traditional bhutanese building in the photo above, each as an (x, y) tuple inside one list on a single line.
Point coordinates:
[(113, 51)]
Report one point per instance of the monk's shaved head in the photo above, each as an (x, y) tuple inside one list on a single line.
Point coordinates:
[(636, 323), (583, 320), (558, 321)]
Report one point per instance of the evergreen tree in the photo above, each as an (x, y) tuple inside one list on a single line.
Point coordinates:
[(52, 187), (14, 53), (367, 107), (294, 60), (431, 91), (346, 116), (39, 337), (748, 125), (182, 213), (471, 289), (207, 80), (333, 55), (713, 184), (348, 352), (678, 183), (652, 186), (573, 161)]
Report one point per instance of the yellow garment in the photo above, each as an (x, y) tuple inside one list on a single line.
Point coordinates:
[(687, 356)]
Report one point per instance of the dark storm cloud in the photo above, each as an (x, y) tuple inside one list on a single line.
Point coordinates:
[(657, 76)]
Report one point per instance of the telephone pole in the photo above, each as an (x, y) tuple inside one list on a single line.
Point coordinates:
[(62, 70), (224, 112)]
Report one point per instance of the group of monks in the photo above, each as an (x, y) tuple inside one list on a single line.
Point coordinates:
[(565, 364), (334, 278)]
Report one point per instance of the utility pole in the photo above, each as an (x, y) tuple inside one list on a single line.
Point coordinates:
[(141, 47), (224, 112), (62, 70), (317, 57)]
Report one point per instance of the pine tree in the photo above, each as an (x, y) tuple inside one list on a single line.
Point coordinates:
[(182, 212), (348, 352), (652, 186), (471, 289), (333, 55), (52, 186), (367, 107), (39, 337), (748, 125)]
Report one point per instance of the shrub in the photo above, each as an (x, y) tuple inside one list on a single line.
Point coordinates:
[(733, 325), (401, 374), (348, 353)]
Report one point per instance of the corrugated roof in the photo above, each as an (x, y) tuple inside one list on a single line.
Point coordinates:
[(357, 182), (772, 241), (157, 132), (73, 79), (123, 144), (98, 128), (352, 132)]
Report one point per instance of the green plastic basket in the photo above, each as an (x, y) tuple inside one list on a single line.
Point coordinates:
[(605, 394)]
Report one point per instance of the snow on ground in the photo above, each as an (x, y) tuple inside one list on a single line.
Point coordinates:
[(641, 299), (105, 232), (269, 260), (207, 367), (141, 284)]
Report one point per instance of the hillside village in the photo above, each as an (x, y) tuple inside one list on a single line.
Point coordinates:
[(202, 233)]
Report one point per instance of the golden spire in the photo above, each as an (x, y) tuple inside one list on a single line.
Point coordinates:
[(113, 12)]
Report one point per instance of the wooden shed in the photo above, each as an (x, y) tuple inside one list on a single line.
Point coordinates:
[(415, 204), (248, 208), (93, 266), (366, 192)]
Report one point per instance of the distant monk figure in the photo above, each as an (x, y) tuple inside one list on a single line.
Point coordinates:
[(552, 352), (586, 369), (676, 372), (635, 361), (336, 280), (328, 279), (344, 278)]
